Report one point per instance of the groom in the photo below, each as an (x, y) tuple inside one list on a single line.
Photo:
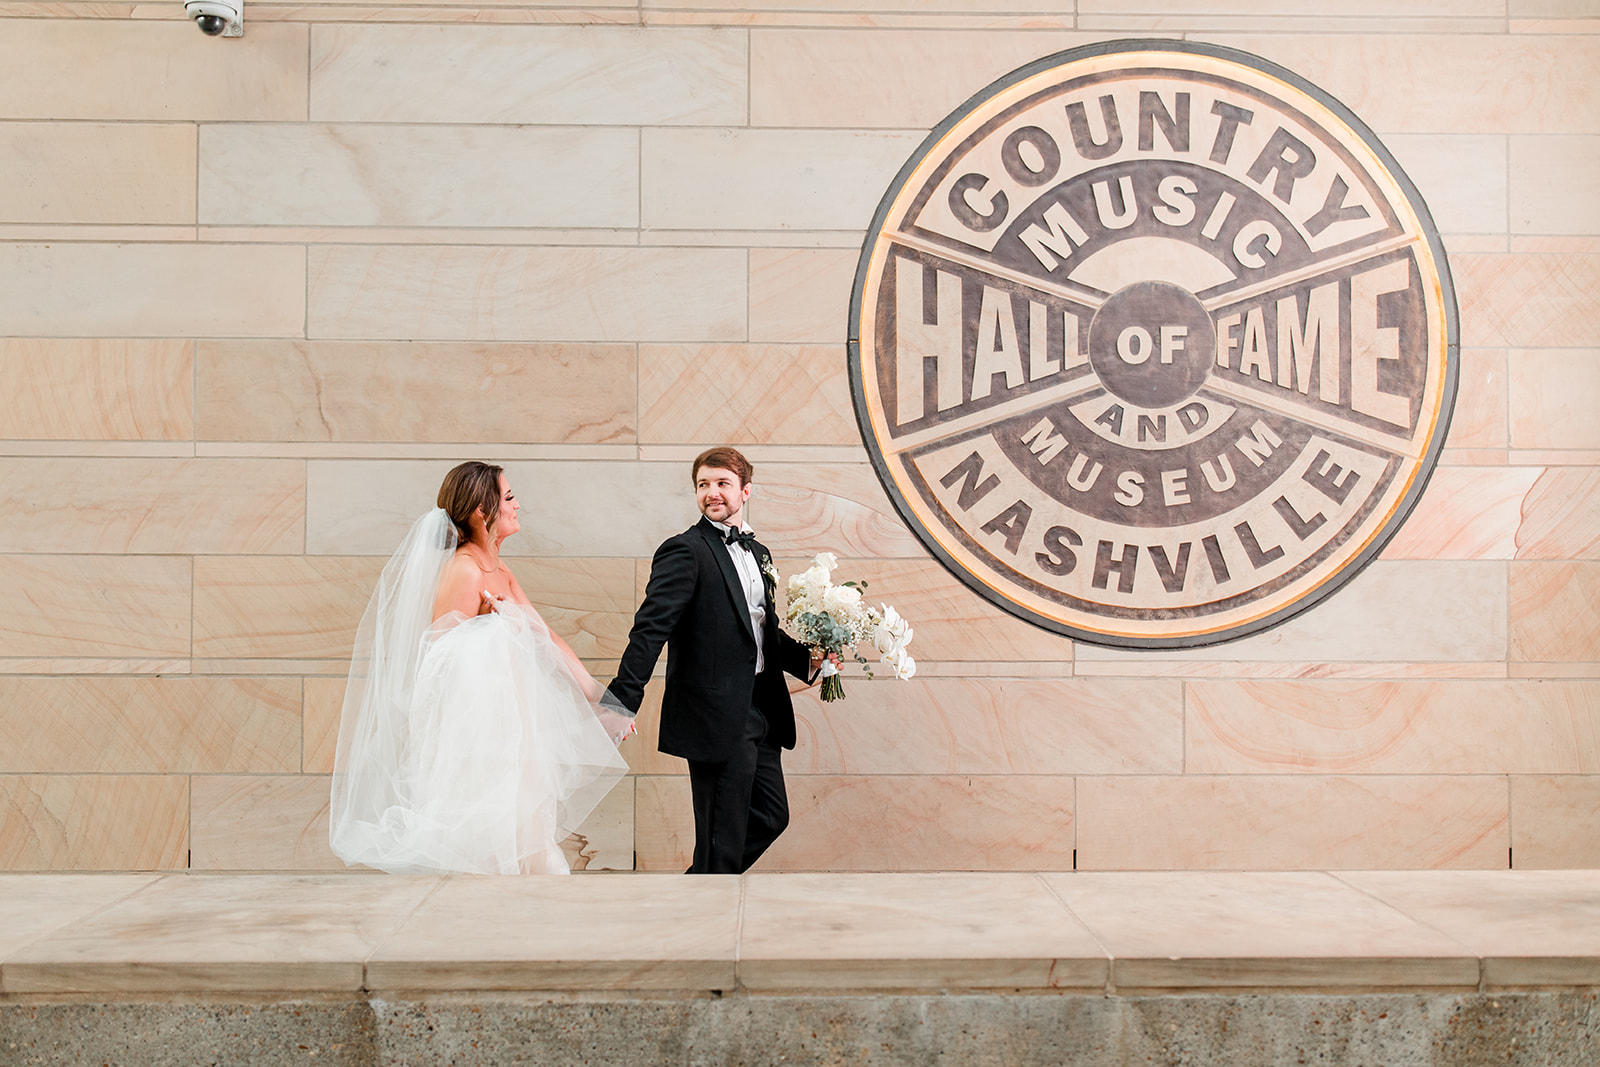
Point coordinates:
[(726, 708)]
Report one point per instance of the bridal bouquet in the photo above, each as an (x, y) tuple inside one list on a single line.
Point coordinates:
[(835, 619)]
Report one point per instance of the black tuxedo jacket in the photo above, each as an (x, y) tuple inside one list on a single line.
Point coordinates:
[(694, 604)]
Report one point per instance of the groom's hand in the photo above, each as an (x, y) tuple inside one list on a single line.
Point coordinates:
[(817, 657), (816, 663)]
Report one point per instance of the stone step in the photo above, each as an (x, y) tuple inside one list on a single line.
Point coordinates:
[(950, 968)]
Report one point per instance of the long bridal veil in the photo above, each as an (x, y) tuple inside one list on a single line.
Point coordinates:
[(374, 723), (465, 744)]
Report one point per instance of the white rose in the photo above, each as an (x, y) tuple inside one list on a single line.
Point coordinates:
[(841, 601)]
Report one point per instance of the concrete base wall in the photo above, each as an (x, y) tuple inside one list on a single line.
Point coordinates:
[(1396, 1030)]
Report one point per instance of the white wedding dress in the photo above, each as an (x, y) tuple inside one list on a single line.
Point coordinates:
[(465, 744)]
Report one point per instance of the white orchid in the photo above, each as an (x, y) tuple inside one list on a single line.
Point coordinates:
[(891, 636), (905, 667)]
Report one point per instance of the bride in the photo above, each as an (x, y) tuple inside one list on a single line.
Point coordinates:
[(471, 738)]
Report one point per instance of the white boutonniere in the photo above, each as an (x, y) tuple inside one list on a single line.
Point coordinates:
[(769, 573)]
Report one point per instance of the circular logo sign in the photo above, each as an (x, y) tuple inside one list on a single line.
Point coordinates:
[(1153, 344)]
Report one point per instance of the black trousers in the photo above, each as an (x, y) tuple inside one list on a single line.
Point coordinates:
[(740, 806)]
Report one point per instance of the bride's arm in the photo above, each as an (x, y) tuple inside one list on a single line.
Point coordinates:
[(591, 688)]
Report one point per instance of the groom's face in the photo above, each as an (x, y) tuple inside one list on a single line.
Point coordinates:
[(720, 495)]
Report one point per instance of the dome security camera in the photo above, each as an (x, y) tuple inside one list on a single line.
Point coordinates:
[(217, 18)]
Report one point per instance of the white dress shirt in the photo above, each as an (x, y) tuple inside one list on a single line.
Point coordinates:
[(755, 593)]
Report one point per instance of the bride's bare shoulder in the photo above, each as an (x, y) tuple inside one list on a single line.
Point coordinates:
[(459, 586), (456, 568)]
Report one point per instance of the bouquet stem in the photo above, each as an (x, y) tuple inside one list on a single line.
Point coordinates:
[(833, 687)]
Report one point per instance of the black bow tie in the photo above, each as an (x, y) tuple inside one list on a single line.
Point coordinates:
[(740, 537)]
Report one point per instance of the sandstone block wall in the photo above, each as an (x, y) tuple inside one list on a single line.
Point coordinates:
[(257, 295)]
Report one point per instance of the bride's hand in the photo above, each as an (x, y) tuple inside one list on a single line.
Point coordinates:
[(488, 602), (618, 727)]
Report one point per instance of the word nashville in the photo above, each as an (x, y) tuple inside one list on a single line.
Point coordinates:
[(1055, 553)]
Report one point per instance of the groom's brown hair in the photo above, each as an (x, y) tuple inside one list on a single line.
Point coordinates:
[(729, 459)]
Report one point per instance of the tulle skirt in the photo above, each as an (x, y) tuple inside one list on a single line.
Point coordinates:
[(501, 757)]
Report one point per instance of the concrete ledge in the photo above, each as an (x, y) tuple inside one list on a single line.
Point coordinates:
[(1436, 931), (1097, 968)]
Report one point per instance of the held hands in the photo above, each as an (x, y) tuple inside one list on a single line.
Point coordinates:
[(619, 727), (488, 602)]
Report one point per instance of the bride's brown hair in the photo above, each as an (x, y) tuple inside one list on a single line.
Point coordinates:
[(468, 487)]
